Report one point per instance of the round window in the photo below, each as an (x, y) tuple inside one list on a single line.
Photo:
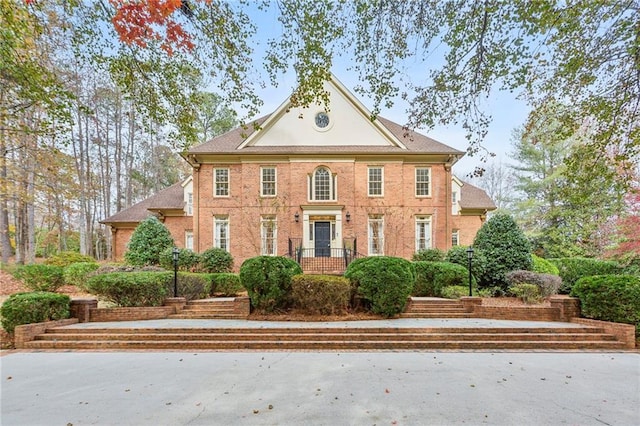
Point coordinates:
[(322, 120)]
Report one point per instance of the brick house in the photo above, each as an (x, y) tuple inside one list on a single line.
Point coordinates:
[(316, 184)]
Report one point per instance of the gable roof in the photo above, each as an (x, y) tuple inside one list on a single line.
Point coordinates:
[(472, 197), (169, 198)]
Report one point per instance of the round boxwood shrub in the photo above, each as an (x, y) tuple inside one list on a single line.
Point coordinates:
[(432, 277), (321, 294), (226, 284), (268, 281), (39, 277), (29, 308), (130, 289), (384, 282), (149, 239), (77, 273), (66, 258), (613, 298), (188, 260), (428, 255), (505, 247), (458, 255), (544, 266), (216, 260), (571, 269)]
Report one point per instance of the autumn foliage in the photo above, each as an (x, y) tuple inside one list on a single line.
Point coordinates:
[(141, 22)]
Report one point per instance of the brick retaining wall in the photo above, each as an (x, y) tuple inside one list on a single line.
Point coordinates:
[(130, 314), (27, 332), (624, 332)]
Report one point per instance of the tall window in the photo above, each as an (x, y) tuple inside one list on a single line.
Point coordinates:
[(423, 181), (190, 204), (376, 235), (322, 185), (455, 238), (188, 240), (268, 234), (221, 182), (423, 232), (375, 180), (221, 232), (268, 181)]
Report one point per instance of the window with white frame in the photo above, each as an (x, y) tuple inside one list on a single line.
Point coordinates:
[(189, 203), (188, 240), (423, 232), (268, 181), (423, 182), (322, 185), (269, 234), (376, 235), (221, 182), (455, 238), (375, 180), (221, 232)]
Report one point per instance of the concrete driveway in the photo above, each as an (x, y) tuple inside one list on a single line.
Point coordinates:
[(330, 388)]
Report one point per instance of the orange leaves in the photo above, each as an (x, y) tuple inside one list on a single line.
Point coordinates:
[(138, 22)]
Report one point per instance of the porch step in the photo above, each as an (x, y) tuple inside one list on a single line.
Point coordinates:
[(222, 308), (431, 307), (326, 338)]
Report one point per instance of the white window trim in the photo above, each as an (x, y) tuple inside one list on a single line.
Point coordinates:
[(275, 181), (333, 186), (456, 234), (416, 182), (188, 235), (215, 183), (428, 238), (216, 239), (370, 248), (264, 220), (381, 181), (189, 203)]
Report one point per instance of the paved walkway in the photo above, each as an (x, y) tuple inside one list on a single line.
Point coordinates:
[(329, 388)]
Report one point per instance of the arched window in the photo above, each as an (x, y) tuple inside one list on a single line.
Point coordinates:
[(322, 185)]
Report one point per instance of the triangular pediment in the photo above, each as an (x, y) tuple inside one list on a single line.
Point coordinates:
[(347, 123)]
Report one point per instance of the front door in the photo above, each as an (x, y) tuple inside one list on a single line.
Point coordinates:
[(322, 231)]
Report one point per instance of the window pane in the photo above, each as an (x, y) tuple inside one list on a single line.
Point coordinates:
[(422, 181), (375, 181), (268, 181), (423, 233), (222, 182), (221, 237), (268, 233), (322, 185), (376, 236)]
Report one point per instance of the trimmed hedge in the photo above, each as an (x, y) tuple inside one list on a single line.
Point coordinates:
[(216, 260), (432, 277), (77, 273), (384, 282), (547, 284), (268, 281), (428, 255), (130, 289), (321, 294), (458, 255), (571, 269), (528, 293), (39, 277), (544, 266), (29, 308), (66, 258), (613, 298), (188, 260), (191, 286), (226, 284)]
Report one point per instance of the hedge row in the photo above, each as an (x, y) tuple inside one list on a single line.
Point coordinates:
[(28, 308)]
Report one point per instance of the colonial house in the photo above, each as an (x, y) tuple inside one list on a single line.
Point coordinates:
[(316, 185)]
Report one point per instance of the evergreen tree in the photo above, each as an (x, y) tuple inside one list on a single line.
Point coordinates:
[(149, 239)]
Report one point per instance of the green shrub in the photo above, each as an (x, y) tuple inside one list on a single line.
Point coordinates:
[(428, 255), (432, 277), (191, 286), (321, 294), (544, 266), (384, 282), (458, 255), (613, 298), (528, 293), (216, 260), (456, 292), (119, 267), (66, 258), (188, 260), (268, 281), (29, 308), (573, 268), (548, 284), (131, 288), (38, 277), (77, 273), (226, 284), (505, 247), (149, 239)]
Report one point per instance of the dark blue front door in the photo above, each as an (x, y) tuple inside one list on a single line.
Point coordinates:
[(322, 231)]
